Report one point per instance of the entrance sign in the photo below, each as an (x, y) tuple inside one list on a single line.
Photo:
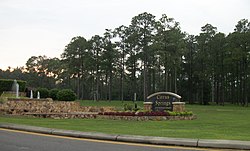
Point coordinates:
[(163, 100)]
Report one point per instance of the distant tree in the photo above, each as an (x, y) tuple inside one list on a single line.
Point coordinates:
[(109, 61), (96, 51), (122, 34), (204, 72), (143, 26), (74, 56), (38, 72)]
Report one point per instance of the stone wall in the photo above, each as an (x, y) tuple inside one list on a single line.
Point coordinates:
[(179, 106), (146, 118), (24, 106), (61, 110), (81, 115), (94, 115), (147, 106)]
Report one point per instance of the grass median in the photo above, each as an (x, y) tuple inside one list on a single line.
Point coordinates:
[(213, 122)]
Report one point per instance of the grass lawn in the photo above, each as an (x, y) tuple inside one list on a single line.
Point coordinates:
[(117, 104), (213, 122)]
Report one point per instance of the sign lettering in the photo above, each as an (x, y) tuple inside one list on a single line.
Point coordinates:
[(163, 100)]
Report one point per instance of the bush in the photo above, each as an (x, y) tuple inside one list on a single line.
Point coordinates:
[(186, 113), (128, 107), (6, 85), (189, 113), (3, 100), (66, 95), (53, 94), (44, 92), (147, 113)]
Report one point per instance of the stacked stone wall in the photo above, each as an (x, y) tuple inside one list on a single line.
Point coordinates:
[(22, 107), (146, 118), (61, 109)]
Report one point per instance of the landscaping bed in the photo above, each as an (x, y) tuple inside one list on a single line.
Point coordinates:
[(137, 116), (67, 110), (145, 116)]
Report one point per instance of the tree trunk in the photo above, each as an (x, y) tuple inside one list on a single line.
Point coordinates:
[(110, 84), (134, 85), (190, 78), (165, 79), (145, 82), (97, 86), (106, 91), (153, 90), (202, 92), (78, 86), (175, 80)]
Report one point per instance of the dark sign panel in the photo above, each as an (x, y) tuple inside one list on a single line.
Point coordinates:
[(163, 100)]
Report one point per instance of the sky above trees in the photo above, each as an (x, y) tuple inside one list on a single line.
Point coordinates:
[(44, 27)]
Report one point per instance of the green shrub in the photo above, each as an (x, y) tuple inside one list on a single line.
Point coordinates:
[(3, 100), (186, 113), (6, 85), (128, 107), (44, 92), (189, 113), (66, 95), (53, 93), (172, 113)]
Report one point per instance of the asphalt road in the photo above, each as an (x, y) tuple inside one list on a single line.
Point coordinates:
[(11, 140)]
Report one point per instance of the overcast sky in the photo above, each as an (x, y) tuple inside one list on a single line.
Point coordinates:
[(44, 27)]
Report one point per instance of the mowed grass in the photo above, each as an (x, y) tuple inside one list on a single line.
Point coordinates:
[(213, 122), (116, 104)]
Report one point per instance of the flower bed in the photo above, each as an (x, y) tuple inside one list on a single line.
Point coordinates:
[(144, 116), (61, 110), (168, 113), (135, 113)]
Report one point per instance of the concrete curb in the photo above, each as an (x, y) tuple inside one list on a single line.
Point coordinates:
[(79, 134), (232, 144), (100, 136), (158, 140), (221, 144), (27, 128)]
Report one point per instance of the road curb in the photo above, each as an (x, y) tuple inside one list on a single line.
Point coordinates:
[(101, 136), (91, 135), (158, 140), (27, 128), (221, 144), (232, 144)]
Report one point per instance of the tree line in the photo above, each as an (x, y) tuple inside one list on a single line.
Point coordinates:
[(148, 56)]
